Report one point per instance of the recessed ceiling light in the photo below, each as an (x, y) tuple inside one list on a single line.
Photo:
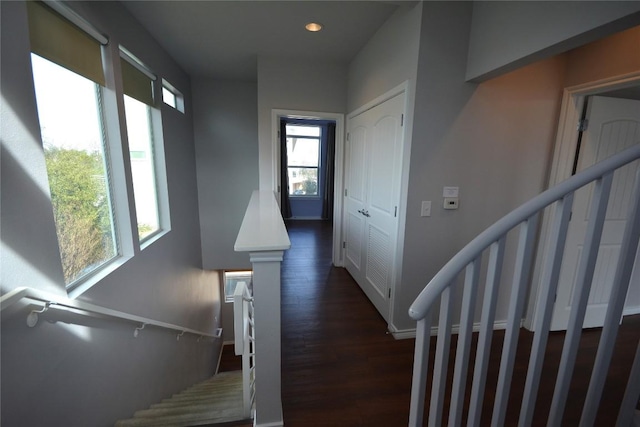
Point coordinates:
[(313, 27)]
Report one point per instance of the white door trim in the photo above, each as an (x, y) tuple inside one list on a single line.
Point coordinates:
[(404, 87), (408, 88), (562, 162), (338, 185)]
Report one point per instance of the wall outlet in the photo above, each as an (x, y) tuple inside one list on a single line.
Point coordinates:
[(426, 208)]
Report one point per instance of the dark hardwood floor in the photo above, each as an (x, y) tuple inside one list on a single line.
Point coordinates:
[(341, 368)]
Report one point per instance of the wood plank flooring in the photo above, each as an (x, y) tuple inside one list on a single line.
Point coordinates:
[(341, 368)]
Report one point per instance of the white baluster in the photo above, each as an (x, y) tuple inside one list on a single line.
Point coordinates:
[(441, 360), (619, 289), (524, 258), (464, 342), (549, 284), (420, 371), (584, 277), (496, 256)]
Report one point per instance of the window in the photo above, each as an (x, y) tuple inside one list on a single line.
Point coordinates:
[(68, 80), (303, 159), (172, 97), (77, 116), (138, 103), (231, 280)]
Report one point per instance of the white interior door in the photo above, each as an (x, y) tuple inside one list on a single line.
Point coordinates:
[(374, 150), (614, 124), (356, 180)]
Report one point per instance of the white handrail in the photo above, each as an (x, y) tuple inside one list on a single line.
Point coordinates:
[(451, 269), (470, 258), (56, 301), (262, 228)]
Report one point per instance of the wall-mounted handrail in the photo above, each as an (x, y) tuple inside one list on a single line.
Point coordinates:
[(57, 301)]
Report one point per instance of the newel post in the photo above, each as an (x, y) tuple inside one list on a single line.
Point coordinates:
[(265, 237)]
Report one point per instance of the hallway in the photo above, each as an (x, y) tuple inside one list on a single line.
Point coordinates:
[(341, 368)]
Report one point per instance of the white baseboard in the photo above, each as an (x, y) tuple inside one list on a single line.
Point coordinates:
[(306, 218), (629, 311), (275, 424), (401, 334)]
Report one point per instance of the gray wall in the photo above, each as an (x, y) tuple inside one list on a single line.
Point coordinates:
[(493, 140), (291, 84), (388, 59), (76, 371), (226, 138), (506, 35)]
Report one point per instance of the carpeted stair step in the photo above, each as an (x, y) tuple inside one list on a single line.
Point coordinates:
[(201, 400), (214, 401)]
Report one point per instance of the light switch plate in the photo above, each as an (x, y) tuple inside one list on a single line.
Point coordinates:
[(426, 208)]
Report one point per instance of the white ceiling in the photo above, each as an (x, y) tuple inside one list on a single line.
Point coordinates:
[(222, 39)]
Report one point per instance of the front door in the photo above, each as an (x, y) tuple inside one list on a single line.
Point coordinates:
[(374, 149), (613, 125)]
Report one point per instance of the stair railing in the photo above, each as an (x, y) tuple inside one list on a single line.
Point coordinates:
[(244, 340), (469, 259), (49, 301)]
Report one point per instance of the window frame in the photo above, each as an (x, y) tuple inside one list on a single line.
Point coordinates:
[(157, 151), (105, 152), (178, 97), (228, 298), (318, 168), (116, 150)]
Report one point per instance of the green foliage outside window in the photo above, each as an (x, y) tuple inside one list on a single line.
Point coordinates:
[(81, 209)]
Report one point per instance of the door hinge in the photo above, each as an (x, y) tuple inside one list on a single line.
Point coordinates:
[(395, 213), (583, 124), (389, 293), (345, 192), (348, 135), (402, 120), (278, 134), (344, 245), (278, 188)]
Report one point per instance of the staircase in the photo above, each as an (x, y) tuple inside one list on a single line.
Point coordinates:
[(462, 274), (217, 400)]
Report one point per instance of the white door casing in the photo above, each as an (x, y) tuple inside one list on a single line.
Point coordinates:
[(373, 172), (276, 115), (614, 124)]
